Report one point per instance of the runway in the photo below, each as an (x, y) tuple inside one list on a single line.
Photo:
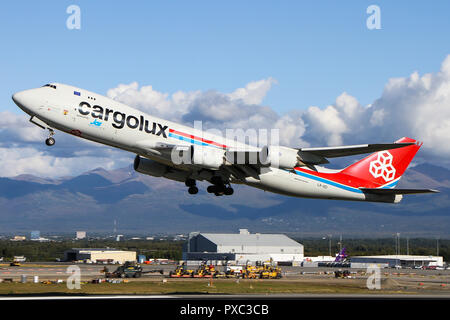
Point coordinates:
[(419, 282)]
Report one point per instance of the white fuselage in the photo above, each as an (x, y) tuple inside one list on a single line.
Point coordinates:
[(101, 119)]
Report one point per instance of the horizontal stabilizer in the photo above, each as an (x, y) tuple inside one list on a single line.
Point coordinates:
[(343, 151), (396, 191)]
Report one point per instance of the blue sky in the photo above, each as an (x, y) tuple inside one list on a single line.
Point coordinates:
[(315, 50)]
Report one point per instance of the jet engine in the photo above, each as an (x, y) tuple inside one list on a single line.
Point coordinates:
[(207, 157), (274, 156), (289, 158), (281, 157), (156, 169)]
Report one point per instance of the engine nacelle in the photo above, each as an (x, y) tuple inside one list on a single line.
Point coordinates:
[(211, 158), (150, 167), (281, 157), (208, 157), (156, 169)]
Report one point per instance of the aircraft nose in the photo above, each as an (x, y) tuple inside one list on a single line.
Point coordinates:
[(24, 100), (17, 97)]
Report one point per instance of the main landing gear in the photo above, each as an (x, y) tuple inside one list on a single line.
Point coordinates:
[(190, 183), (50, 141), (219, 188)]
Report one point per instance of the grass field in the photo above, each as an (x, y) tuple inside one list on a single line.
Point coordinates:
[(190, 287)]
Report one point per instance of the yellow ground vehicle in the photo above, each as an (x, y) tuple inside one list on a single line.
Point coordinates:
[(265, 271), (270, 272), (205, 271), (251, 272), (181, 272)]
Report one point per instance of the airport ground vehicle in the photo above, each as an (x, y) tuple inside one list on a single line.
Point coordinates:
[(250, 272), (429, 268), (205, 271), (341, 274), (266, 271), (182, 272), (270, 272), (233, 271), (128, 270)]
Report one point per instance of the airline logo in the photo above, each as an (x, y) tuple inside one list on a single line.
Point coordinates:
[(382, 167), (121, 119), (96, 123)]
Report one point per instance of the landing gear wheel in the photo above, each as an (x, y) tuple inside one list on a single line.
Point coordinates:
[(220, 188), (190, 183), (193, 190), (50, 141), (228, 191)]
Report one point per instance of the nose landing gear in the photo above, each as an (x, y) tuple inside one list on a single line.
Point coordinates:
[(50, 141)]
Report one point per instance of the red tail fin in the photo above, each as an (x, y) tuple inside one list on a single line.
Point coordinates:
[(384, 167)]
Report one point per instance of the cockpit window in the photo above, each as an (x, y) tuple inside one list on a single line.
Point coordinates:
[(50, 85)]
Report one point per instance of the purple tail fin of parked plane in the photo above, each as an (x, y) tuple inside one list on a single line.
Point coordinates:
[(341, 256)]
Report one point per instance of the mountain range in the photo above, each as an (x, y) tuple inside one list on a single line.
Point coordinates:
[(143, 204)]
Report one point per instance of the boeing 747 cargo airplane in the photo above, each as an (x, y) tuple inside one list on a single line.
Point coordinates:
[(177, 152)]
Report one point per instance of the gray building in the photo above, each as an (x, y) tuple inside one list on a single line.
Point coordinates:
[(404, 261), (242, 247)]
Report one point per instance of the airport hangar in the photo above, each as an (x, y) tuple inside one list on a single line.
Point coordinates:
[(405, 261), (242, 248), (107, 255)]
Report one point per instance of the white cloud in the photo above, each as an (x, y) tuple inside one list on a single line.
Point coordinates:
[(153, 102), (254, 92), (326, 124), (27, 160)]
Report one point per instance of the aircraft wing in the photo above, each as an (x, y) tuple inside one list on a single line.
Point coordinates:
[(343, 151), (311, 156), (396, 191), (158, 149), (242, 164)]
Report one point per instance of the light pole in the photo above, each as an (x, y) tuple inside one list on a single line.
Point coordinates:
[(395, 244), (340, 243), (329, 243), (437, 246), (407, 246), (398, 246)]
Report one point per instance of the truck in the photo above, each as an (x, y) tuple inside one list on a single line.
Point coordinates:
[(128, 270)]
